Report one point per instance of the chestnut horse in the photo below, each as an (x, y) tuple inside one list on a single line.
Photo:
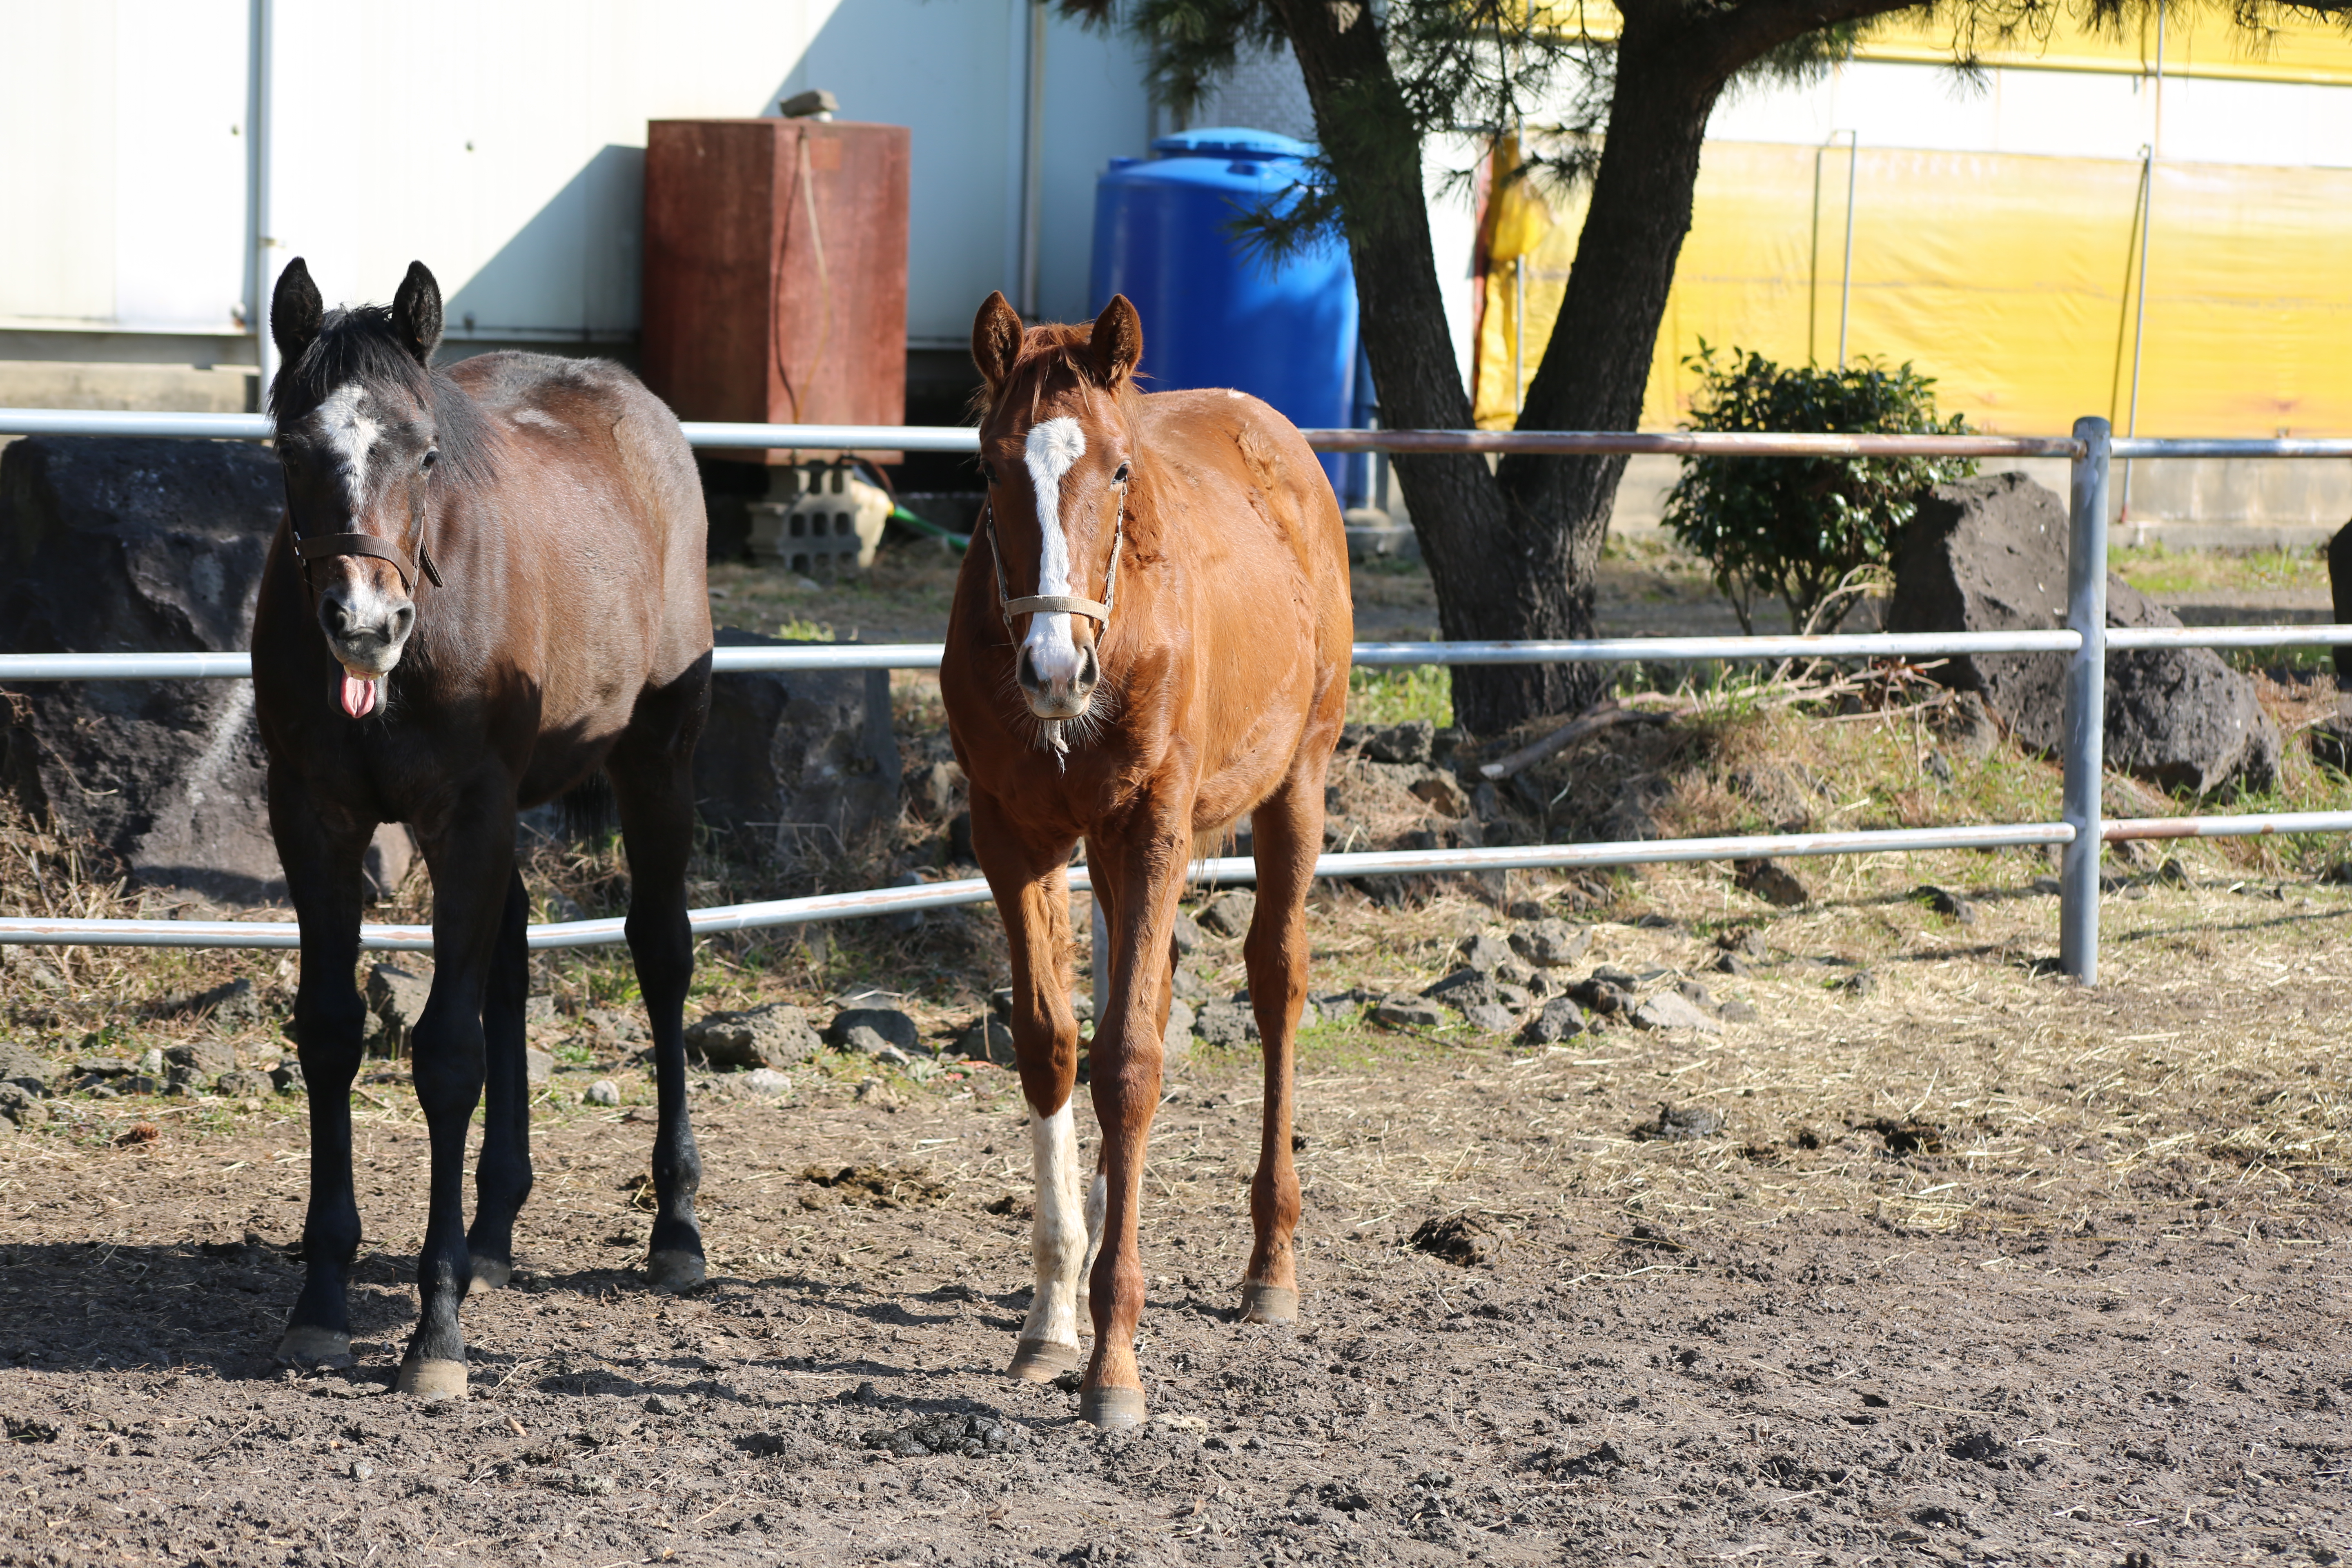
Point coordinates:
[(488, 583), (1151, 643)]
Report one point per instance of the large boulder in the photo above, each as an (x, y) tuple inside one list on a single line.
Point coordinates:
[(137, 546), (1990, 554), (799, 762)]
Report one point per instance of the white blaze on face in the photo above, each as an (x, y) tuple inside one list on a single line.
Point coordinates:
[(1054, 447), (342, 421), (1057, 1242)]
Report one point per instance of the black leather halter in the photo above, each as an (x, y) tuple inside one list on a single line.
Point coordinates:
[(327, 545)]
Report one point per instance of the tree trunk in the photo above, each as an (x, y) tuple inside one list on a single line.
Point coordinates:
[(1512, 553)]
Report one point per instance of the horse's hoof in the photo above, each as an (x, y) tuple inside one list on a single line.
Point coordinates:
[(1268, 1304), (1042, 1361), (673, 1270), (307, 1344), (1112, 1409), (490, 1274), (429, 1377)]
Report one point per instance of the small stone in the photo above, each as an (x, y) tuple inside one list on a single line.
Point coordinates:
[(20, 1066), (986, 1039), (241, 1083), (1698, 996), (1672, 1010), (1745, 941), (1228, 914), (860, 1041), (604, 1091), (20, 1106), (894, 1057), (1861, 982), (1489, 1017), (361, 1471), (287, 1077), (1608, 992), (1406, 1011), (1483, 951), (1950, 905), (776, 1034), (1178, 1036), (230, 1005), (1463, 988), (1224, 1024), (765, 1083), (1560, 1018), (1516, 998), (1414, 741), (655, 1404), (1737, 1012), (895, 1027), (538, 1065), (1770, 882), (1550, 943), (397, 996), (1674, 1123), (1731, 963), (873, 1092)]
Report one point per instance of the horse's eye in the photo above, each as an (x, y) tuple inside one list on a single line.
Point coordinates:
[(291, 458), (1119, 478), (988, 471), (430, 457)]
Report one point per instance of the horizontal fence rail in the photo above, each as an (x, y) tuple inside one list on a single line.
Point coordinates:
[(2085, 640)]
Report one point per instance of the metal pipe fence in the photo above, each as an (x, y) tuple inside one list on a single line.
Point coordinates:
[(2085, 640)]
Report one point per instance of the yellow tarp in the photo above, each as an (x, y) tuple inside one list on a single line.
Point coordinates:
[(2010, 280), (2198, 39)]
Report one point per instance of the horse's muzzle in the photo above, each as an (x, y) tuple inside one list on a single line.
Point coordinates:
[(1059, 696), (365, 631)]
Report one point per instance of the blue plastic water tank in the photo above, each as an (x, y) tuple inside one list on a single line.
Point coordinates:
[(1214, 312)]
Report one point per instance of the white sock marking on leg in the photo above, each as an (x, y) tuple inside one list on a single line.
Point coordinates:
[(1057, 1241)]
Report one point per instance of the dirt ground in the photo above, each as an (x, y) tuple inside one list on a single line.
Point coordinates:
[(1958, 1263), (1934, 1258)]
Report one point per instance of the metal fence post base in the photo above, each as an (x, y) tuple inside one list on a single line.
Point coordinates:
[(2086, 703)]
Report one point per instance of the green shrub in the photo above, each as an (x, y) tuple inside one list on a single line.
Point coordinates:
[(1799, 528)]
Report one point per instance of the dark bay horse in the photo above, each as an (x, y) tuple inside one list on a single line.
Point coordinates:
[(488, 583), (1152, 644)]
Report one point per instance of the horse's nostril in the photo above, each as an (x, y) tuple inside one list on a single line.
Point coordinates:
[(1087, 670), (401, 619), (1025, 671)]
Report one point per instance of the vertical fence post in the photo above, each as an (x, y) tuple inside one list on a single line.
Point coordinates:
[(2086, 703)]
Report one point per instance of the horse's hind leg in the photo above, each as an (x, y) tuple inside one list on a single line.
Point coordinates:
[(322, 851), (1288, 835), (651, 771), (502, 1174)]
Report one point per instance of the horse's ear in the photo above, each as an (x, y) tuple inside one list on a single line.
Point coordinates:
[(995, 340), (295, 310), (416, 313), (1117, 340)]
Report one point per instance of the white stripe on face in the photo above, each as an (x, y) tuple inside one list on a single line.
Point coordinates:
[(350, 434), (1057, 1239), (1054, 446)]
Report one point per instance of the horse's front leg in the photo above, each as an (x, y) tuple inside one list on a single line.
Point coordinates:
[(1140, 862), (321, 849), (1032, 898), (471, 854), (1286, 833)]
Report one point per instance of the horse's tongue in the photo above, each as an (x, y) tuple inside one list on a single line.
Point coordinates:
[(359, 696)]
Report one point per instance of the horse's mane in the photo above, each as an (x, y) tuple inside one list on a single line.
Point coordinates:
[(359, 343), (1057, 349)]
